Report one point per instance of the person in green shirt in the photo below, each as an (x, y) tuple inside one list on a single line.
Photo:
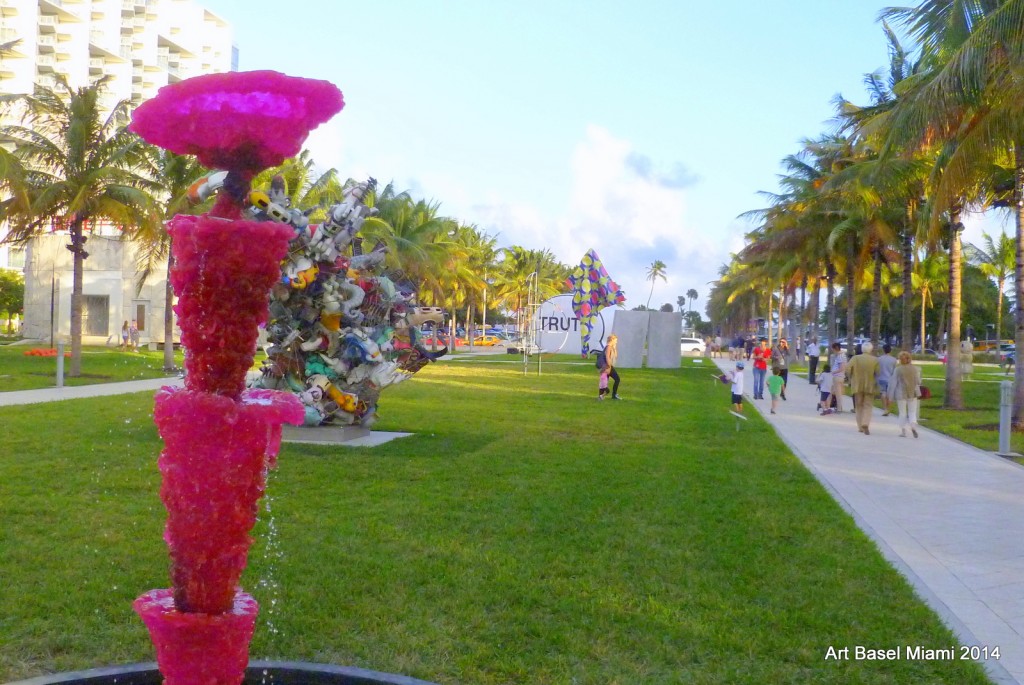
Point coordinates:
[(776, 384)]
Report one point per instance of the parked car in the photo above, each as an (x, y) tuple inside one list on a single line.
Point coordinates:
[(694, 346), (443, 340), (488, 340), (928, 352), (520, 347), (422, 315)]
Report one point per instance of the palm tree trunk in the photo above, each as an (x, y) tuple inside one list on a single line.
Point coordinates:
[(830, 303), (924, 300), (77, 248), (813, 304), (999, 314), (906, 324), (941, 328), (782, 314), (802, 333), (850, 301), (1018, 285), (169, 316), (954, 388), (876, 298)]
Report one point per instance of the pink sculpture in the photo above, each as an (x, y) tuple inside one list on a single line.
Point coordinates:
[(219, 439)]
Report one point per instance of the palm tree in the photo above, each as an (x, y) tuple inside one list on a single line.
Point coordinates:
[(969, 103), (79, 166), (655, 271), (418, 240), (478, 250), (996, 260), (691, 295), (306, 190), (515, 272), (171, 176), (930, 276), (681, 302)]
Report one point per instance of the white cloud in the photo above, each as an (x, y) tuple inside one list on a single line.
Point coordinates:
[(629, 207), (630, 213)]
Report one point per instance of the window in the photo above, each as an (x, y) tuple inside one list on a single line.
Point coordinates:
[(95, 314), (16, 258)]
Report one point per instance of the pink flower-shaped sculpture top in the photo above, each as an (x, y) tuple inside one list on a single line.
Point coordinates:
[(241, 121)]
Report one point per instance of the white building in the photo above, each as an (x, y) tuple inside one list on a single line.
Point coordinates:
[(143, 45), (110, 294)]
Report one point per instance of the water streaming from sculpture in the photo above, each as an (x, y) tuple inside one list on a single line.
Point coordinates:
[(220, 438)]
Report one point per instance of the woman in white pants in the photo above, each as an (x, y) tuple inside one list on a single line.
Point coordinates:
[(905, 388)]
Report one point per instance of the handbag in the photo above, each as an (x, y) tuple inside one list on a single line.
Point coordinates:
[(923, 392)]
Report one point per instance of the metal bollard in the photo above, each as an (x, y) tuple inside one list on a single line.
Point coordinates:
[(1005, 416), (60, 365)]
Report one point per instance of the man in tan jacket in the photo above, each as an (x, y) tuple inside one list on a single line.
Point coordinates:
[(862, 371)]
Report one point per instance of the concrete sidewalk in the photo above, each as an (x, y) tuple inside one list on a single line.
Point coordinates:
[(949, 516), (80, 391)]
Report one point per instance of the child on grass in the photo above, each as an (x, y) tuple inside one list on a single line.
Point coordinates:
[(825, 390), (736, 377), (602, 384), (776, 385)]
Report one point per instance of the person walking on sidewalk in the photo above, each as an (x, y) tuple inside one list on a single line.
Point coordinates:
[(905, 388), (838, 363), (886, 366), (813, 353), (825, 390), (780, 364), (761, 356), (776, 387), (863, 373)]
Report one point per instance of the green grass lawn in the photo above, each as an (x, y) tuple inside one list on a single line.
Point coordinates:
[(978, 423), (525, 534), (99, 365)]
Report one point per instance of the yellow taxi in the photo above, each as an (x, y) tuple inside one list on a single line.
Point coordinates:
[(487, 340)]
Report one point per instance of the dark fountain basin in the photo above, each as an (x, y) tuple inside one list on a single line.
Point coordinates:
[(258, 673)]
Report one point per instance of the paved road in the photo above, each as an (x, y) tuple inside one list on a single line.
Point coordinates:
[(949, 516)]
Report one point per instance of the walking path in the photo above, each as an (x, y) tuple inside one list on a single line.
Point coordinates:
[(949, 516), (80, 391)]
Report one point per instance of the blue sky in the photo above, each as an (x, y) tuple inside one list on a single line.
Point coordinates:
[(641, 130)]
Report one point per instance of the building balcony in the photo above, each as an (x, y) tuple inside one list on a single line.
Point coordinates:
[(67, 11), (47, 43), (47, 22), (96, 64), (46, 62), (8, 8)]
